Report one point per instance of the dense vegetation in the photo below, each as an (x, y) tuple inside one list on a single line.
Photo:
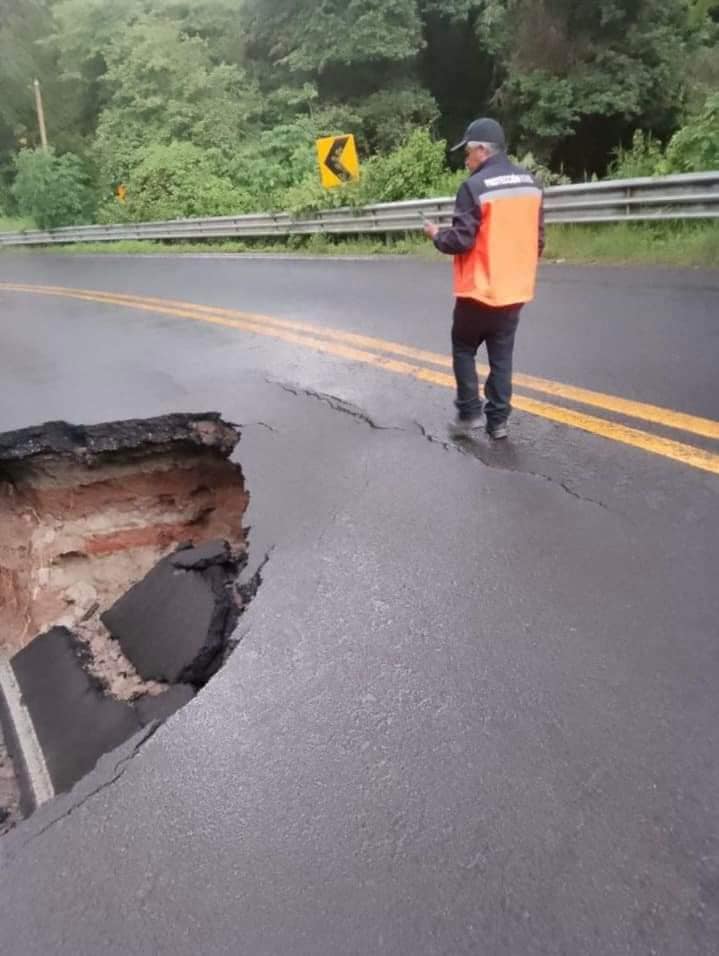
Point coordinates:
[(212, 106)]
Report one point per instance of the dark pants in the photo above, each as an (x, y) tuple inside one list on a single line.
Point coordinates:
[(475, 323)]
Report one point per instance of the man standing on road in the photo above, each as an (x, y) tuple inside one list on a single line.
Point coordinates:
[(496, 238)]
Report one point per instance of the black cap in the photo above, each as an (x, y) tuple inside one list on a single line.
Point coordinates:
[(483, 130)]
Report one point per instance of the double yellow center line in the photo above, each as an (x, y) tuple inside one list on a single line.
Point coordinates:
[(427, 366)]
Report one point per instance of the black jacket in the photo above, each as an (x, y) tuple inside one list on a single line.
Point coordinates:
[(461, 235)]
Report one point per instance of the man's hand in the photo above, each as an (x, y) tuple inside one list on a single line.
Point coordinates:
[(430, 230)]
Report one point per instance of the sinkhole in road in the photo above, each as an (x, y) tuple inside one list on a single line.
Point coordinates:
[(122, 547)]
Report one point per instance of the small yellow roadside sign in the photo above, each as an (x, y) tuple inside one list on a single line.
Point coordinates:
[(338, 160)]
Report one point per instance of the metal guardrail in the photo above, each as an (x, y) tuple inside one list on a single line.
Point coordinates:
[(685, 196)]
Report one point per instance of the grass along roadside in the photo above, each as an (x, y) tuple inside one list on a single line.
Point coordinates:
[(646, 243), (14, 224), (688, 244)]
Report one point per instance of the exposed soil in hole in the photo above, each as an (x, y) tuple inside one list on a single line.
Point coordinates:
[(86, 513)]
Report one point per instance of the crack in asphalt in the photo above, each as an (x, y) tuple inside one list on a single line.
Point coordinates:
[(466, 447), (560, 483), (247, 591), (433, 440), (338, 404), (258, 425), (120, 768), (575, 494), (249, 588)]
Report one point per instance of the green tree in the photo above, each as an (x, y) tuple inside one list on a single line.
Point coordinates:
[(21, 60), (82, 33), (87, 35), (362, 55), (53, 190), (310, 38), (591, 72), (695, 147), (176, 181), (253, 83), (165, 87)]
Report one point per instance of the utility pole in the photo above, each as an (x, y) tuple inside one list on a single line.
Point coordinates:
[(40, 114)]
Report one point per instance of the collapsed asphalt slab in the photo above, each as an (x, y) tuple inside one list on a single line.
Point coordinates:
[(74, 719), (173, 624)]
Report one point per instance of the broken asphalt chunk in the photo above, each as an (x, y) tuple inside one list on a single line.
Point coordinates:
[(197, 559), (74, 720), (173, 624), (161, 706)]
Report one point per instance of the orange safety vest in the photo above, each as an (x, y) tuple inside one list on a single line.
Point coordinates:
[(501, 267)]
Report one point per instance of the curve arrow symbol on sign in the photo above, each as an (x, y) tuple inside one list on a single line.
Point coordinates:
[(334, 163)]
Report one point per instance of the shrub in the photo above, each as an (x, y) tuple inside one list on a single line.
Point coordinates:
[(695, 147), (645, 157), (692, 149), (543, 173), (179, 181), (308, 196), (415, 170), (53, 190)]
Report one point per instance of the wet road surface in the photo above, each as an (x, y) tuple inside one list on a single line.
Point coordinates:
[(474, 707)]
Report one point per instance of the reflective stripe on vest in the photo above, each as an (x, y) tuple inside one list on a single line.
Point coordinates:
[(501, 268)]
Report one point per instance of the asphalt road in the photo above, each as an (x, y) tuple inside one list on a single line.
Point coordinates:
[(475, 708)]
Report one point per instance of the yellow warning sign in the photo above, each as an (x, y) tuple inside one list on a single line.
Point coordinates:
[(121, 192), (339, 163)]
